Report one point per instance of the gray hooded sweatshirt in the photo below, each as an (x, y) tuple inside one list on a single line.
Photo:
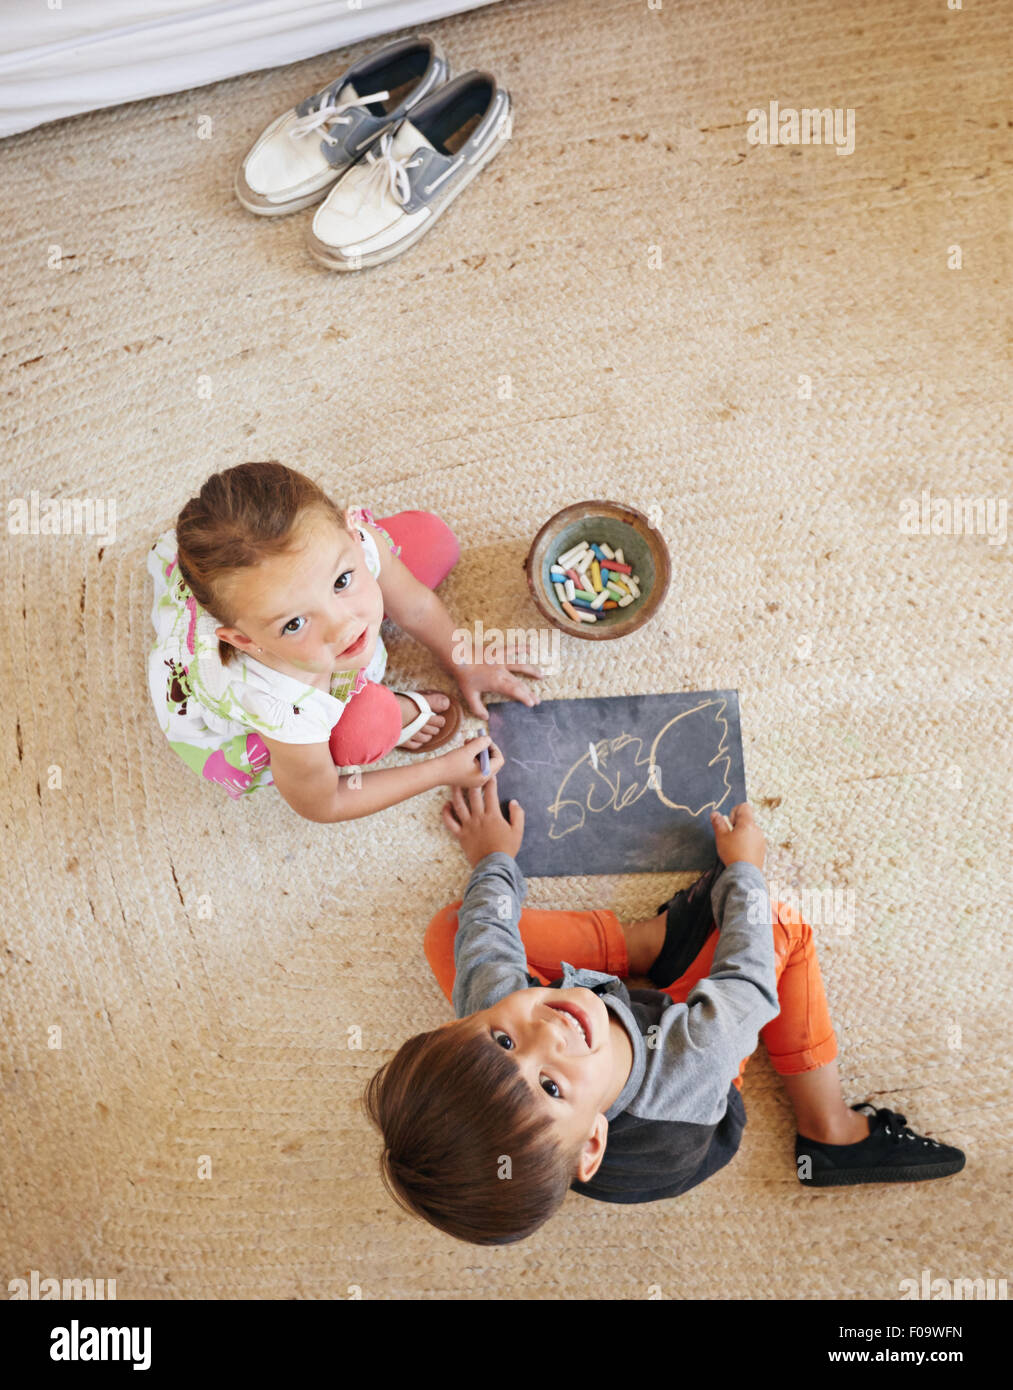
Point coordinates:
[(679, 1118)]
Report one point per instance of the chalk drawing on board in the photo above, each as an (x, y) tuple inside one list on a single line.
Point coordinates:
[(598, 758), (620, 784)]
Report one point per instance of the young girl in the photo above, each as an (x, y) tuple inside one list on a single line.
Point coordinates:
[(267, 663)]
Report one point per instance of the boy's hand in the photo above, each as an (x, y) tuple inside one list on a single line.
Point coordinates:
[(477, 822), (743, 841), (488, 675)]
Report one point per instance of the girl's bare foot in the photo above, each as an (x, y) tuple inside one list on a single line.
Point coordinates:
[(410, 710)]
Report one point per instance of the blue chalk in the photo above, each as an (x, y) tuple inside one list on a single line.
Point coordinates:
[(597, 550), (483, 761)]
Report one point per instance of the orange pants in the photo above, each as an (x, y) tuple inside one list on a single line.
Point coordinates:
[(799, 1039)]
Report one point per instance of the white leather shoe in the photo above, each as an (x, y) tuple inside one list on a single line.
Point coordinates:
[(301, 154), (384, 203)]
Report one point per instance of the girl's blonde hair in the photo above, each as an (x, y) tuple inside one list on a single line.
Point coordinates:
[(240, 517)]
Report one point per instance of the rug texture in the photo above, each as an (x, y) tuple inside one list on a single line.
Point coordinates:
[(775, 351)]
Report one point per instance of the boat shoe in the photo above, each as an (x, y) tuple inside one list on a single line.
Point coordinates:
[(388, 200), (300, 155)]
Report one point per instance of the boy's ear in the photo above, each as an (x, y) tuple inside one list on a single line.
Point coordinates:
[(591, 1155)]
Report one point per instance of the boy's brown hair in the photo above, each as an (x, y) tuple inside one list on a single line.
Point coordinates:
[(240, 517), (464, 1145)]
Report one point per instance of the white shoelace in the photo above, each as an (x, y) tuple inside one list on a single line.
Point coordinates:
[(328, 114), (384, 166)]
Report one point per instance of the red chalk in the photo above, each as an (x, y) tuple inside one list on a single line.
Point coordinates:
[(615, 565), (578, 583)]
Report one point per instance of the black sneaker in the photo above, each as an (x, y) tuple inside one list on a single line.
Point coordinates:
[(891, 1153), (689, 923)]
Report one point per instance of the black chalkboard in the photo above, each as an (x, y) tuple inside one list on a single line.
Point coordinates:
[(582, 771)]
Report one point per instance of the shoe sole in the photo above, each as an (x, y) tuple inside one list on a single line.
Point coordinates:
[(325, 254), (918, 1173), (693, 887), (246, 195)]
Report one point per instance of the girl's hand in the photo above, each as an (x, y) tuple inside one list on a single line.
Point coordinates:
[(461, 768), (497, 676), (476, 821)]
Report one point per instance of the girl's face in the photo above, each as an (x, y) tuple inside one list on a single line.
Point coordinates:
[(313, 610)]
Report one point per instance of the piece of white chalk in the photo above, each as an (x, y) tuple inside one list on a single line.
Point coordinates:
[(577, 561), (571, 555)]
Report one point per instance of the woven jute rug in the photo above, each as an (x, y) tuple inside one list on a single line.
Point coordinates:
[(775, 351)]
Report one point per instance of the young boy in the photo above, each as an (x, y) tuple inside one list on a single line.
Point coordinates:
[(555, 1075)]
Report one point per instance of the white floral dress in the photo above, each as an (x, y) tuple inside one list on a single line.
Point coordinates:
[(215, 714)]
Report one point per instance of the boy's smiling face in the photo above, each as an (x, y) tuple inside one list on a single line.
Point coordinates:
[(303, 610), (574, 1056)]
